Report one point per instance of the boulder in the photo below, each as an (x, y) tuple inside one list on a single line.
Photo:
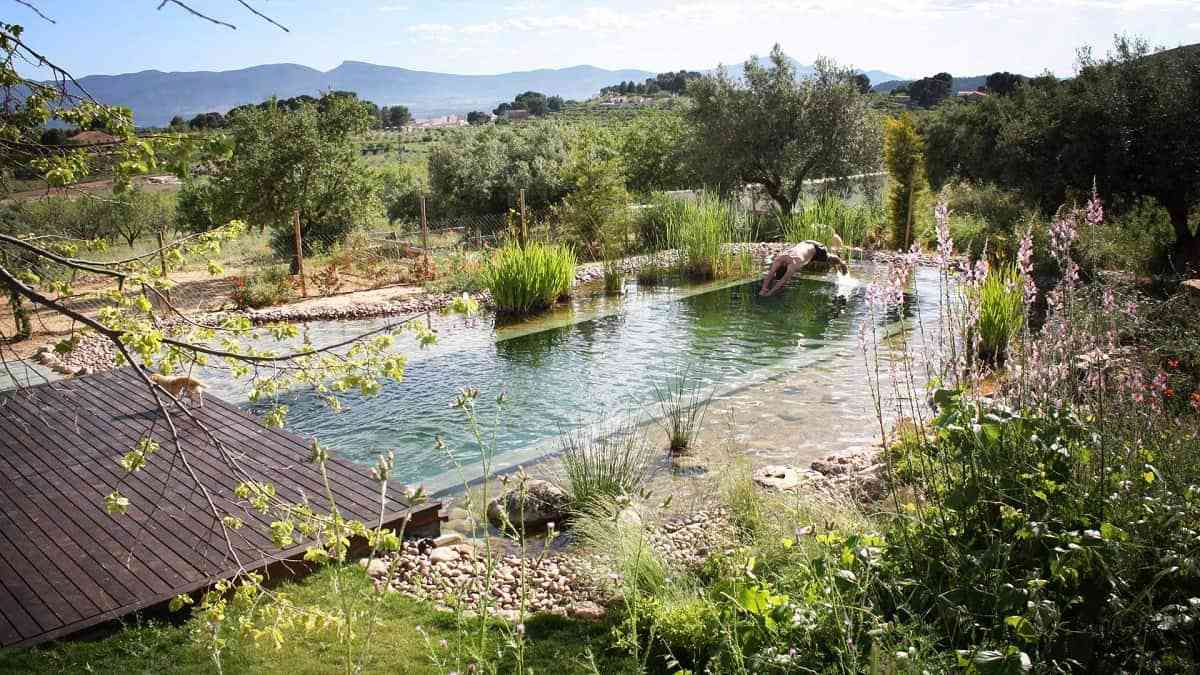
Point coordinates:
[(586, 611), (543, 502), (776, 476), (376, 567), (1191, 287), (443, 554)]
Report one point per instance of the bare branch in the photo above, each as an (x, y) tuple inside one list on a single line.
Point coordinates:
[(243, 3), (264, 17), (195, 13), (35, 10)]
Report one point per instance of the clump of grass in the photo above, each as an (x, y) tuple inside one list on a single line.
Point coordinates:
[(819, 219), (1001, 313), (624, 544), (682, 405), (700, 229), (613, 279), (603, 462), (529, 278)]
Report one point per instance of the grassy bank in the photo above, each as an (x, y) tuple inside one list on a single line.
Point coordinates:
[(408, 638)]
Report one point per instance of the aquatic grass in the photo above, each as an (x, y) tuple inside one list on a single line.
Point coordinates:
[(604, 461), (682, 402), (819, 219), (613, 278), (700, 230), (1001, 305), (529, 278)]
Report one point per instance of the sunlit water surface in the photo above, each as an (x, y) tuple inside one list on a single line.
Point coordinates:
[(790, 364)]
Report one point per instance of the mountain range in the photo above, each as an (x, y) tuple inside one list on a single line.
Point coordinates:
[(155, 96)]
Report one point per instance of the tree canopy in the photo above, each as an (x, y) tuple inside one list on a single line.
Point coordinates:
[(779, 130), (1126, 122), (929, 91), (482, 172), (282, 161)]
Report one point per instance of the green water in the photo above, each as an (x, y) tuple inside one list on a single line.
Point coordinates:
[(598, 359)]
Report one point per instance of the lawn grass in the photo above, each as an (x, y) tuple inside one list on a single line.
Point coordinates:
[(553, 644)]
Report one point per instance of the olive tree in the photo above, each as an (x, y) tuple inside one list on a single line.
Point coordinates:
[(778, 130), (482, 172), (287, 161)]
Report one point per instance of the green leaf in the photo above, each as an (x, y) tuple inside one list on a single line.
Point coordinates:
[(179, 602), (116, 503), (1022, 628)]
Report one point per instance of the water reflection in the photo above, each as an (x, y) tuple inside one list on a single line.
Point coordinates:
[(592, 368)]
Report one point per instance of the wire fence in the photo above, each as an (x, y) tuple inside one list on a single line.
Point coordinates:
[(284, 263)]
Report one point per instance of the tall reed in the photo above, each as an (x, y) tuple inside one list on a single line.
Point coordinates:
[(819, 219), (700, 230)]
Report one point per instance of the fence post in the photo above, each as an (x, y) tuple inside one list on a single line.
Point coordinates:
[(524, 218), (424, 230), (162, 254), (299, 243)]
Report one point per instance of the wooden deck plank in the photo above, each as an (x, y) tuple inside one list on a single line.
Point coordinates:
[(167, 562), (65, 564), (115, 591), (88, 505), (55, 554)]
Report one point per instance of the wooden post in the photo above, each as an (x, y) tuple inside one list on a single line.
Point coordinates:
[(162, 257), (299, 243), (424, 230), (524, 220)]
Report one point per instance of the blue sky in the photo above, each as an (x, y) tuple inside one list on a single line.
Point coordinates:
[(907, 37)]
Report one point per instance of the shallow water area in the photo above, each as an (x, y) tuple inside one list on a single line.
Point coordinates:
[(786, 372)]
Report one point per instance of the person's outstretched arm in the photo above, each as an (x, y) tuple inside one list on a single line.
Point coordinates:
[(837, 262), (787, 275), (776, 264)]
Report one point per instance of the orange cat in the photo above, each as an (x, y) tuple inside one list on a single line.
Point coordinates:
[(182, 384)]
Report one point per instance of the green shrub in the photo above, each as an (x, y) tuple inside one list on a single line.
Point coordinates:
[(603, 462), (1001, 312), (268, 286), (984, 217), (1137, 240), (690, 628), (524, 279)]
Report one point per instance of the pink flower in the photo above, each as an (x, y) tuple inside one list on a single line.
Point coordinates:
[(941, 214), (1094, 213)]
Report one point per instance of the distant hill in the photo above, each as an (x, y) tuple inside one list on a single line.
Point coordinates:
[(960, 84), (735, 71), (156, 97)]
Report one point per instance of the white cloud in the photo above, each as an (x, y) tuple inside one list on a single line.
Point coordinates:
[(392, 8)]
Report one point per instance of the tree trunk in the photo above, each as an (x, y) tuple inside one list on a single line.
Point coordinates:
[(1187, 243)]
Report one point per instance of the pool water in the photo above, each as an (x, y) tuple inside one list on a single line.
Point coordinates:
[(599, 358)]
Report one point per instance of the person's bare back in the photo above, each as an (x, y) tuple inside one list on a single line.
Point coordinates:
[(792, 260)]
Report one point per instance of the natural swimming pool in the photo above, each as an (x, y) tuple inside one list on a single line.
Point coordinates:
[(596, 359)]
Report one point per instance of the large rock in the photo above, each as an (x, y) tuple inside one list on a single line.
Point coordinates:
[(1192, 287), (530, 505)]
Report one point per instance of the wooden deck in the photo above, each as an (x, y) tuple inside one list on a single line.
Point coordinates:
[(67, 565)]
